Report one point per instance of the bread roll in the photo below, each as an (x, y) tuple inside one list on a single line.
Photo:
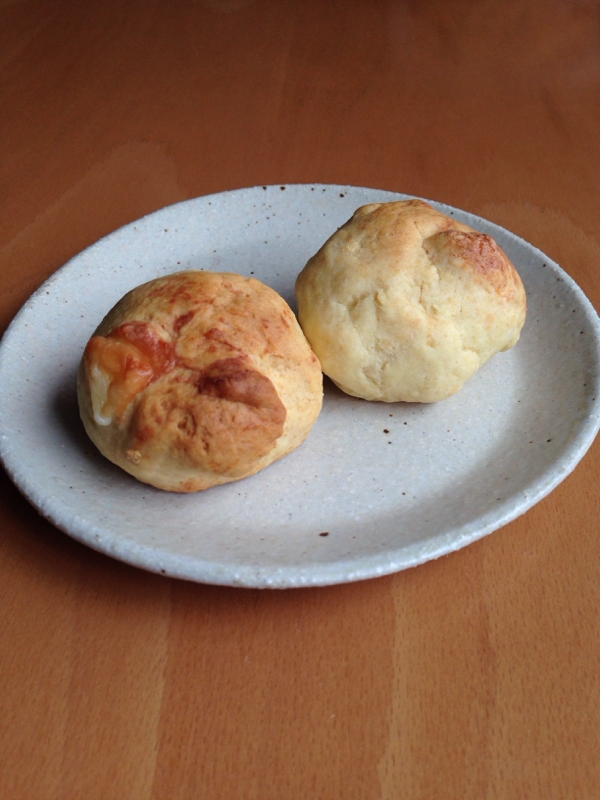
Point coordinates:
[(406, 303), (197, 379)]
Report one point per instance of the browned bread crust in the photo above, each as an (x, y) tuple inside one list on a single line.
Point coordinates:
[(198, 378)]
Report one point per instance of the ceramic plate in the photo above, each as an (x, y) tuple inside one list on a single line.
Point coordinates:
[(376, 488)]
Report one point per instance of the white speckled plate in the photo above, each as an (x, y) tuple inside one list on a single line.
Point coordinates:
[(376, 488)]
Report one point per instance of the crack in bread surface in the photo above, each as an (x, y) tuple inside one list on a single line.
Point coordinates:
[(220, 419)]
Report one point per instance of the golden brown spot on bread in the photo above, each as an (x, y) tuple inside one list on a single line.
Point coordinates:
[(484, 253), (131, 357), (235, 380), (158, 353), (182, 320), (180, 289), (221, 419), (193, 485), (480, 254), (214, 334)]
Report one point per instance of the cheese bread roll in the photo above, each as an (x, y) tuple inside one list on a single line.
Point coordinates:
[(197, 379)]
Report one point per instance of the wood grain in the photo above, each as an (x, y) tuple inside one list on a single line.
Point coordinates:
[(475, 676)]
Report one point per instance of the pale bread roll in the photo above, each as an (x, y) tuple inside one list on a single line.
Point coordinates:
[(404, 303), (197, 379)]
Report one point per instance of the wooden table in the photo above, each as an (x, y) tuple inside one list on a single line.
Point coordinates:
[(474, 676)]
